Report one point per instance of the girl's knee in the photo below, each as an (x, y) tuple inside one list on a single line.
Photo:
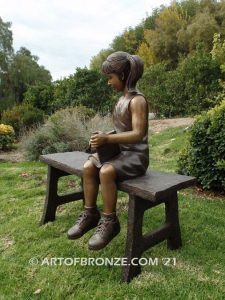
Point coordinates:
[(89, 168), (107, 172)]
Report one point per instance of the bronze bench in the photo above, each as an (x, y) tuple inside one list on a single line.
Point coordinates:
[(144, 192)]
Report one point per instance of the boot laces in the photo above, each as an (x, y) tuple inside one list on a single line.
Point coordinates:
[(83, 216), (103, 223)]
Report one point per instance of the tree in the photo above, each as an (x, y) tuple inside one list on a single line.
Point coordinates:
[(84, 88), (25, 71), (147, 55), (218, 51), (189, 7), (129, 40), (89, 88), (97, 60), (202, 30), (218, 54), (163, 40), (61, 90), (220, 16), (149, 21), (152, 84), (40, 96), (201, 76), (189, 89), (6, 51)]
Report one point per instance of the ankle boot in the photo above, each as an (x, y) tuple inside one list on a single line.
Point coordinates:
[(108, 228), (87, 220)]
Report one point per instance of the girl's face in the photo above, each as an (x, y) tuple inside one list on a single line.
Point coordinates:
[(115, 82)]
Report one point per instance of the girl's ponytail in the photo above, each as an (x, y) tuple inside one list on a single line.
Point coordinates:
[(136, 71)]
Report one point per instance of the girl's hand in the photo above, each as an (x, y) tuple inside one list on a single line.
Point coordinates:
[(98, 139)]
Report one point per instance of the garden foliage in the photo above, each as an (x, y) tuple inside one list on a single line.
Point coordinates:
[(66, 130), (204, 155), (22, 117), (188, 90), (7, 136)]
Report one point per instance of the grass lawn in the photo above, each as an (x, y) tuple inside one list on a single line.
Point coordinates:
[(195, 271)]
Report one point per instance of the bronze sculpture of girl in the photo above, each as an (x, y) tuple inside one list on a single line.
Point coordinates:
[(130, 119)]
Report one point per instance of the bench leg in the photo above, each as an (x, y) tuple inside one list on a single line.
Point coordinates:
[(134, 241), (51, 196), (53, 200), (172, 218)]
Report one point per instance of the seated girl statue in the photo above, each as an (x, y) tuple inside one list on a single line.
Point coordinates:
[(130, 119)]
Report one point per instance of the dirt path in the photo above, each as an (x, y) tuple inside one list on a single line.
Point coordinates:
[(14, 156), (154, 126), (159, 125)]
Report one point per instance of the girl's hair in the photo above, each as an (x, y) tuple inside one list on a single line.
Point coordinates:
[(131, 66)]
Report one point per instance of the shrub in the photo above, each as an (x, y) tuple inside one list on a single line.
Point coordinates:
[(22, 117), (203, 157), (66, 130), (40, 96), (7, 136), (84, 112), (85, 87)]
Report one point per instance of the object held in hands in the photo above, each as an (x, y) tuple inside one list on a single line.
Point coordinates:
[(108, 151)]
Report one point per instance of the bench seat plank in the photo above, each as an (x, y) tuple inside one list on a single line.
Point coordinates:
[(156, 186), (70, 162)]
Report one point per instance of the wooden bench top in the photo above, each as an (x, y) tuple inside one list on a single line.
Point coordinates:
[(153, 186)]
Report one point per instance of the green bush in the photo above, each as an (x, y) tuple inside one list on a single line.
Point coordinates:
[(7, 136), (40, 96), (85, 87), (66, 130), (22, 117), (204, 155)]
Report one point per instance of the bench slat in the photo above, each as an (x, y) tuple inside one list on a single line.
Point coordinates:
[(70, 162), (153, 186)]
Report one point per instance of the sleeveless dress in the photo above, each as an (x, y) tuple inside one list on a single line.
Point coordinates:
[(133, 160)]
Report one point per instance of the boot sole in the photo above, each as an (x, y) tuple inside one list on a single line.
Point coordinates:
[(71, 237)]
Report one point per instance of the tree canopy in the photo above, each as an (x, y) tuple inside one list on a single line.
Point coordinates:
[(170, 32), (6, 48), (18, 71), (24, 71)]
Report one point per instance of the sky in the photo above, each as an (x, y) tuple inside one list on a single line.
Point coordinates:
[(66, 34)]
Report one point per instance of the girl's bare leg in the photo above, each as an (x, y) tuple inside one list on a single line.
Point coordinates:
[(90, 183), (107, 177)]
